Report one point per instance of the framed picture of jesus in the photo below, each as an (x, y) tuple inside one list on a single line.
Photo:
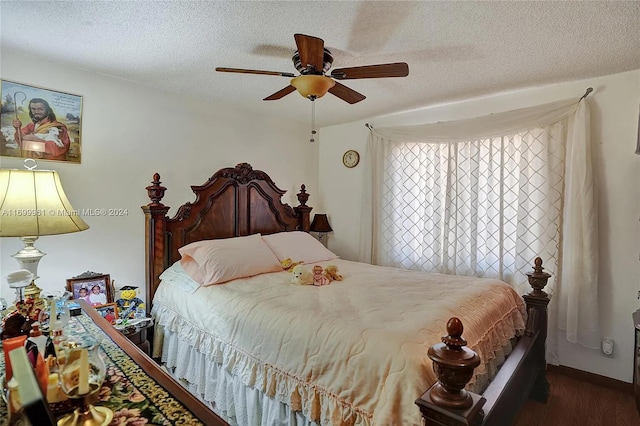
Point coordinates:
[(40, 123)]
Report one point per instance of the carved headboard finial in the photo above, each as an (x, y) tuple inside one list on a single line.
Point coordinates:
[(243, 173), (155, 191), (244, 168), (302, 195)]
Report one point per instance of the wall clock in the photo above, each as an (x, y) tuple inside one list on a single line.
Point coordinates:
[(351, 158)]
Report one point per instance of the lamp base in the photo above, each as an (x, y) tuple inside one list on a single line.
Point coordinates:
[(322, 237), (93, 416), (29, 256), (32, 291)]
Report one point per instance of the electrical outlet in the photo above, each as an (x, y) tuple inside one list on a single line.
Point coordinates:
[(607, 346)]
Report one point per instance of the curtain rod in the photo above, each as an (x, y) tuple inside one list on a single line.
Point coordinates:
[(586, 93), (589, 90)]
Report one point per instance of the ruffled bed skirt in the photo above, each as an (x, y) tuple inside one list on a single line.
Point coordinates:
[(200, 359), (235, 402)]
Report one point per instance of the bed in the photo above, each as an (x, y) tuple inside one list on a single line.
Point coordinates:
[(260, 350)]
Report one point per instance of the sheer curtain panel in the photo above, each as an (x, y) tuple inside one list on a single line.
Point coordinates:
[(484, 197)]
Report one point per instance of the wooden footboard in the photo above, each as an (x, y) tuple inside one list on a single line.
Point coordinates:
[(522, 376)]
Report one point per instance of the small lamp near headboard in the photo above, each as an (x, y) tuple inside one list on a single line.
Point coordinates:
[(320, 224)]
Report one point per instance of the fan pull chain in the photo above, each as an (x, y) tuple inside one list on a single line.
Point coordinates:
[(313, 121)]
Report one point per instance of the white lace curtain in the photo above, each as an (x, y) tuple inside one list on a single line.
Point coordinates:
[(484, 197)]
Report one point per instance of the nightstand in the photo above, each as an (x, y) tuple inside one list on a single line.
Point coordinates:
[(137, 334), (636, 358)]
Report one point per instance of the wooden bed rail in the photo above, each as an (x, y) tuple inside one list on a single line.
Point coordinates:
[(522, 376)]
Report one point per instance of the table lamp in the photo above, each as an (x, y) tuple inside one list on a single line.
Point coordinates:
[(32, 204), (320, 224)]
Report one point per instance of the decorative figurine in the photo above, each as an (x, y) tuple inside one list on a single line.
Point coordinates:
[(128, 302)]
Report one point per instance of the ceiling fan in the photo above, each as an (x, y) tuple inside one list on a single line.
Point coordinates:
[(313, 61)]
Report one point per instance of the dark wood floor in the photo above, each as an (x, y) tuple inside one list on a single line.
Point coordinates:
[(576, 402)]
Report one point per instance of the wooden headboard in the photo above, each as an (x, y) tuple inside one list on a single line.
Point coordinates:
[(235, 201)]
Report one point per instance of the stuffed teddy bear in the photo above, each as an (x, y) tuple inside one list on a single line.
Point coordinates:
[(318, 277), (128, 302), (331, 272), (288, 264), (301, 276)]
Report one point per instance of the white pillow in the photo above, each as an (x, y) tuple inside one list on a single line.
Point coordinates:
[(217, 261), (175, 276), (298, 246)]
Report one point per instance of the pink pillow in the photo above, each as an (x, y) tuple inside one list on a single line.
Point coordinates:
[(299, 246), (192, 269), (217, 261)]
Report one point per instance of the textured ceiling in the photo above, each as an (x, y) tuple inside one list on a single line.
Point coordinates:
[(455, 50)]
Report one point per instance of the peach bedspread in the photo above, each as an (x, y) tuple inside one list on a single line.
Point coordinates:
[(350, 353)]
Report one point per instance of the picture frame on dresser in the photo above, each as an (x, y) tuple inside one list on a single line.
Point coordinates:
[(93, 287), (108, 311)]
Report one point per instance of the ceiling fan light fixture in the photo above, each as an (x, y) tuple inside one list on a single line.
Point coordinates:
[(313, 61), (313, 86)]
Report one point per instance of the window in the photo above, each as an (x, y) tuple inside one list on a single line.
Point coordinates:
[(483, 208), (485, 196)]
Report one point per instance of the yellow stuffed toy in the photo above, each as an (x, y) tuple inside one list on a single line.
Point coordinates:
[(288, 264), (331, 272), (128, 302), (301, 276)]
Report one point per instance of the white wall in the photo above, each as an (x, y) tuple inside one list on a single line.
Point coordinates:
[(614, 120), (128, 133)]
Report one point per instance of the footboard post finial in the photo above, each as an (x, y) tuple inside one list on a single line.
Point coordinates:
[(537, 300), (447, 402), (453, 363), (537, 320), (538, 279)]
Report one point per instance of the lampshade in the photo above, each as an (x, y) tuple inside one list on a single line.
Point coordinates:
[(320, 223), (310, 85), (33, 203)]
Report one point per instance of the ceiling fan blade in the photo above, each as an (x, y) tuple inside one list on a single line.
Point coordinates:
[(311, 51), (280, 93), (243, 71), (397, 69), (346, 94)]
